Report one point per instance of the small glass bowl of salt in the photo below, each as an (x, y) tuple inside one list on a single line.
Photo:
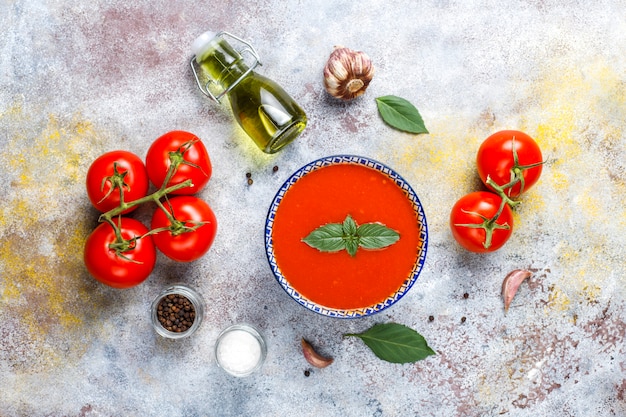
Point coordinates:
[(240, 350)]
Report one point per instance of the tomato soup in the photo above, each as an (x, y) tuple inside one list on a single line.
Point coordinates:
[(337, 280)]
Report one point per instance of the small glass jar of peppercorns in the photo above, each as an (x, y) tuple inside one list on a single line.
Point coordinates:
[(177, 312)]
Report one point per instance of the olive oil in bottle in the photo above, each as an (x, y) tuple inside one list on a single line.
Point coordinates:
[(261, 107)]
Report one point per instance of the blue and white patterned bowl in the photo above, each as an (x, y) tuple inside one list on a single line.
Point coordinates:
[(421, 223)]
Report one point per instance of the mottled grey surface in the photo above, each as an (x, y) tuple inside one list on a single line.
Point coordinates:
[(79, 79)]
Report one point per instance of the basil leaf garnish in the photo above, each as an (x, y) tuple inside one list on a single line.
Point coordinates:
[(400, 114), (349, 226), (328, 238), (376, 236), (351, 246), (333, 237), (396, 343)]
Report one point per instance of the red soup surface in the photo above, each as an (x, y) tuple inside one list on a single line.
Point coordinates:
[(336, 279)]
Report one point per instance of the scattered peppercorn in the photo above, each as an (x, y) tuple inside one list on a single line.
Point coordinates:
[(248, 174), (176, 313), (307, 373), (275, 168), (250, 181), (466, 296), (463, 319), (431, 318)]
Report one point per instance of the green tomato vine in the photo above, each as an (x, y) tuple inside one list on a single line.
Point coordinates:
[(121, 245), (489, 225)]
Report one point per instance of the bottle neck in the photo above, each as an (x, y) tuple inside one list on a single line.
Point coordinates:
[(223, 63)]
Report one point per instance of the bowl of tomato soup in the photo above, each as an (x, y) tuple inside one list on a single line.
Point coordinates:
[(337, 283)]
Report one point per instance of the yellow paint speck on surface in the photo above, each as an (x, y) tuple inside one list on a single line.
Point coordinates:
[(41, 270), (558, 300)]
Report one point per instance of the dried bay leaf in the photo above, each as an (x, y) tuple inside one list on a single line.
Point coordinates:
[(400, 114), (395, 343)]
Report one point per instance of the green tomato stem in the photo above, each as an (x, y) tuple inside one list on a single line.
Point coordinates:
[(517, 176), (117, 180), (173, 221), (155, 197), (122, 245), (177, 158), (489, 225)]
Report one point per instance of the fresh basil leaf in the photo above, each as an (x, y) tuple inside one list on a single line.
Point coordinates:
[(352, 244), (395, 343), (400, 114), (376, 236), (327, 238), (333, 237), (349, 226)]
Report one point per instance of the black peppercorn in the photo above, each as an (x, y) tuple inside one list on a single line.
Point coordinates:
[(176, 313)]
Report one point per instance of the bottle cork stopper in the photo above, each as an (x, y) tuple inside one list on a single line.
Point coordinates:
[(202, 43)]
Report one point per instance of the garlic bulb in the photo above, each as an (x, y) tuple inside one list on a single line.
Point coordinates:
[(347, 73)]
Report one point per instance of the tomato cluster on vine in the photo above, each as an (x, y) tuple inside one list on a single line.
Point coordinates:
[(121, 251), (509, 163)]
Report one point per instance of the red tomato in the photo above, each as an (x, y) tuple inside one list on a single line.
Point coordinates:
[(131, 174), (496, 159), (185, 147), (466, 219), (105, 265), (185, 245)]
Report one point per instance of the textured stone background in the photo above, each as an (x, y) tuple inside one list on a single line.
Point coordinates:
[(79, 79)]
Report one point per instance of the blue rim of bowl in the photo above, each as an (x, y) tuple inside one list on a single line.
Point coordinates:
[(421, 222)]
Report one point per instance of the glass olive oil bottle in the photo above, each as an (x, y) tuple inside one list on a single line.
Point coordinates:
[(261, 107)]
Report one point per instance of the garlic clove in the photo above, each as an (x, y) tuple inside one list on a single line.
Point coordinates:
[(312, 357), (511, 283), (347, 73)]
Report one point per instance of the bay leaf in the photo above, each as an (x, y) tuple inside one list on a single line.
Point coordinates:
[(395, 343), (399, 113)]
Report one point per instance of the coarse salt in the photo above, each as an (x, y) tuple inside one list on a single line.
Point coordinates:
[(239, 352)]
